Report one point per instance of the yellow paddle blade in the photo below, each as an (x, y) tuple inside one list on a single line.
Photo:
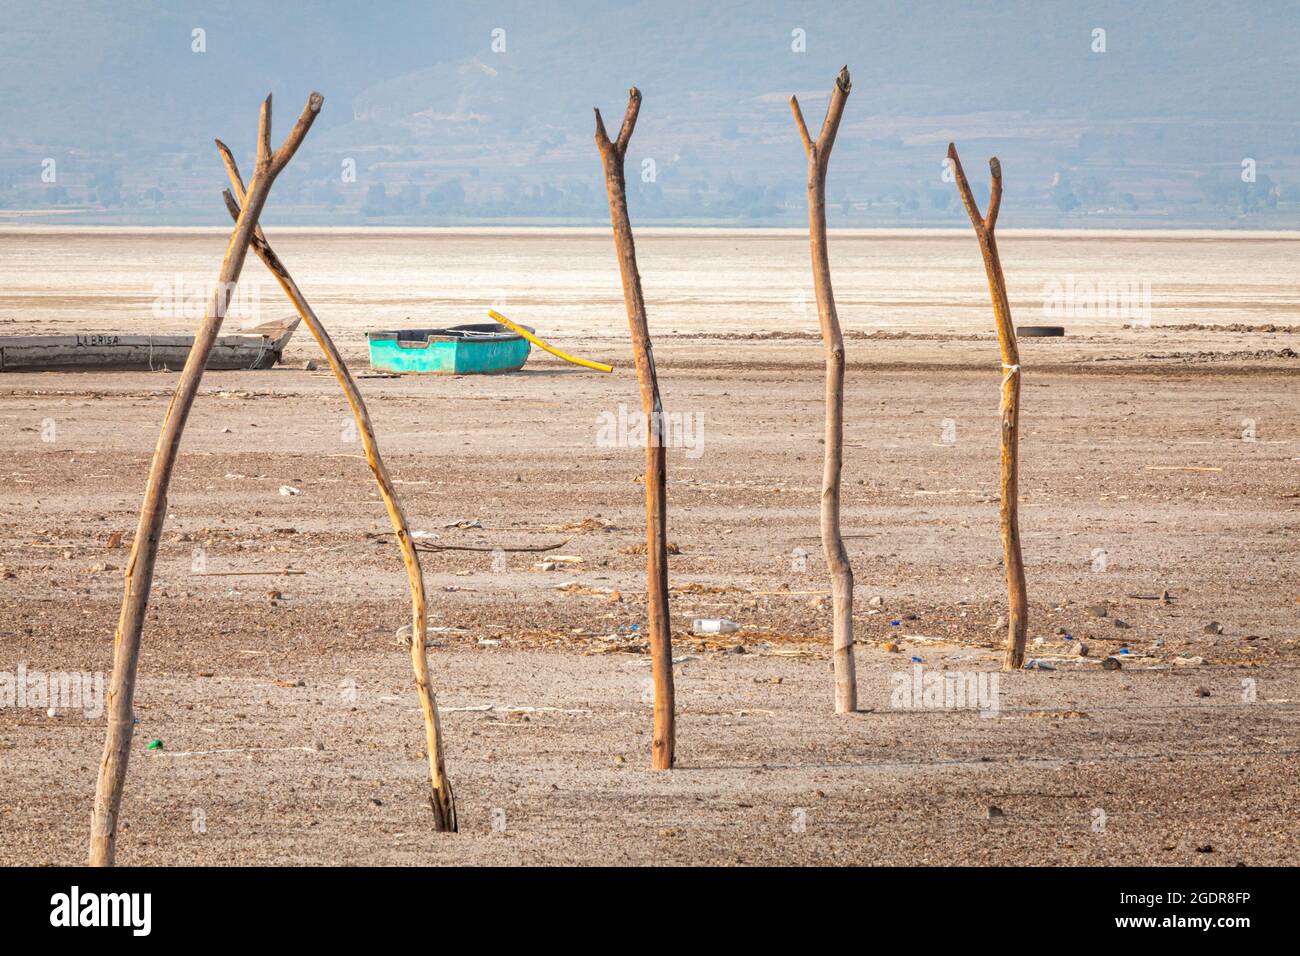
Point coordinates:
[(542, 345)]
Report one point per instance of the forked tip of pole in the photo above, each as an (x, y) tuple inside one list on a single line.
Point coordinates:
[(843, 79), (315, 101), (952, 150), (995, 167)]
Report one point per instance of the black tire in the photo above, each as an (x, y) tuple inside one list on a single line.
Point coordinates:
[(1040, 331)]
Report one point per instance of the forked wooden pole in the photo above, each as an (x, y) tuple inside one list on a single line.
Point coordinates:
[(837, 557), (656, 474), (1017, 600), (144, 548), (441, 798)]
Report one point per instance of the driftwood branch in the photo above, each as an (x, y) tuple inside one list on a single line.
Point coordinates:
[(995, 194), (441, 798), (488, 548), (153, 512), (492, 549), (656, 475), (820, 151), (629, 120), (837, 556), (803, 127), (264, 136), (1009, 518)]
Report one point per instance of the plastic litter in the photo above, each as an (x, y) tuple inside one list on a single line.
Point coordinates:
[(714, 625), (155, 744), (464, 523)]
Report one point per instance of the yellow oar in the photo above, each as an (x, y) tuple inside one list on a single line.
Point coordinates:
[(542, 345)]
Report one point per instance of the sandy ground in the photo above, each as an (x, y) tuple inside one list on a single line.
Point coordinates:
[(290, 725)]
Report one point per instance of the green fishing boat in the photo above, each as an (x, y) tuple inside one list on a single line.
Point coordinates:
[(477, 349)]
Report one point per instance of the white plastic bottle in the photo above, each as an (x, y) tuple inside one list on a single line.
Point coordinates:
[(714, 625)]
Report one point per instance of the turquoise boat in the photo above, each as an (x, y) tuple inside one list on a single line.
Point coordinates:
[(479, 349)]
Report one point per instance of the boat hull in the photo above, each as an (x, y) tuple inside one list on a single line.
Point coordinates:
[(483, 349), (109, 352)]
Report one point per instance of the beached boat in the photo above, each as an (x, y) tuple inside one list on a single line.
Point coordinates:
[(477, 349), (257, 347)]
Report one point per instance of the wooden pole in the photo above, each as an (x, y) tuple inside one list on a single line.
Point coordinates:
[(837, 556), (1017, 600), (656, 473), (441, 798), (144, 548)]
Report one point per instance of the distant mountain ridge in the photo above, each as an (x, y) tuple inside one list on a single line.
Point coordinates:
[(451, 113)]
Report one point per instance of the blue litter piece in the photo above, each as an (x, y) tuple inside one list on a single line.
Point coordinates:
[(895, 623), (917, 660), (1123, 650), (1069, 637)]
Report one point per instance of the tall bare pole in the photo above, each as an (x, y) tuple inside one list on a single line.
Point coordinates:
[(441, 798), (144, 548), (1008, 513), (837, 557), (656, 471)]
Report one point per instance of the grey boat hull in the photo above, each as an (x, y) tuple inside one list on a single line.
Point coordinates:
[(41, 353)]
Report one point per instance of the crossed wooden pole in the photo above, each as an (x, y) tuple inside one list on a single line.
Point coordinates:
[(441, 798), (144, 546)]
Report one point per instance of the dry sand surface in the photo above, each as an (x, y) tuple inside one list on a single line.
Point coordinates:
[(291, 727)]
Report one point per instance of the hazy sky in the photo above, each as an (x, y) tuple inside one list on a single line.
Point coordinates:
[(1101, 112)]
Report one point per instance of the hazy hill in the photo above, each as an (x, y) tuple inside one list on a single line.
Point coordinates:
[(444, 125)]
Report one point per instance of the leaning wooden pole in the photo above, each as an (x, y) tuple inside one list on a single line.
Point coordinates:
[(1017, 600), (656, 472), (837, 556), (144, 548), (441, 798)]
